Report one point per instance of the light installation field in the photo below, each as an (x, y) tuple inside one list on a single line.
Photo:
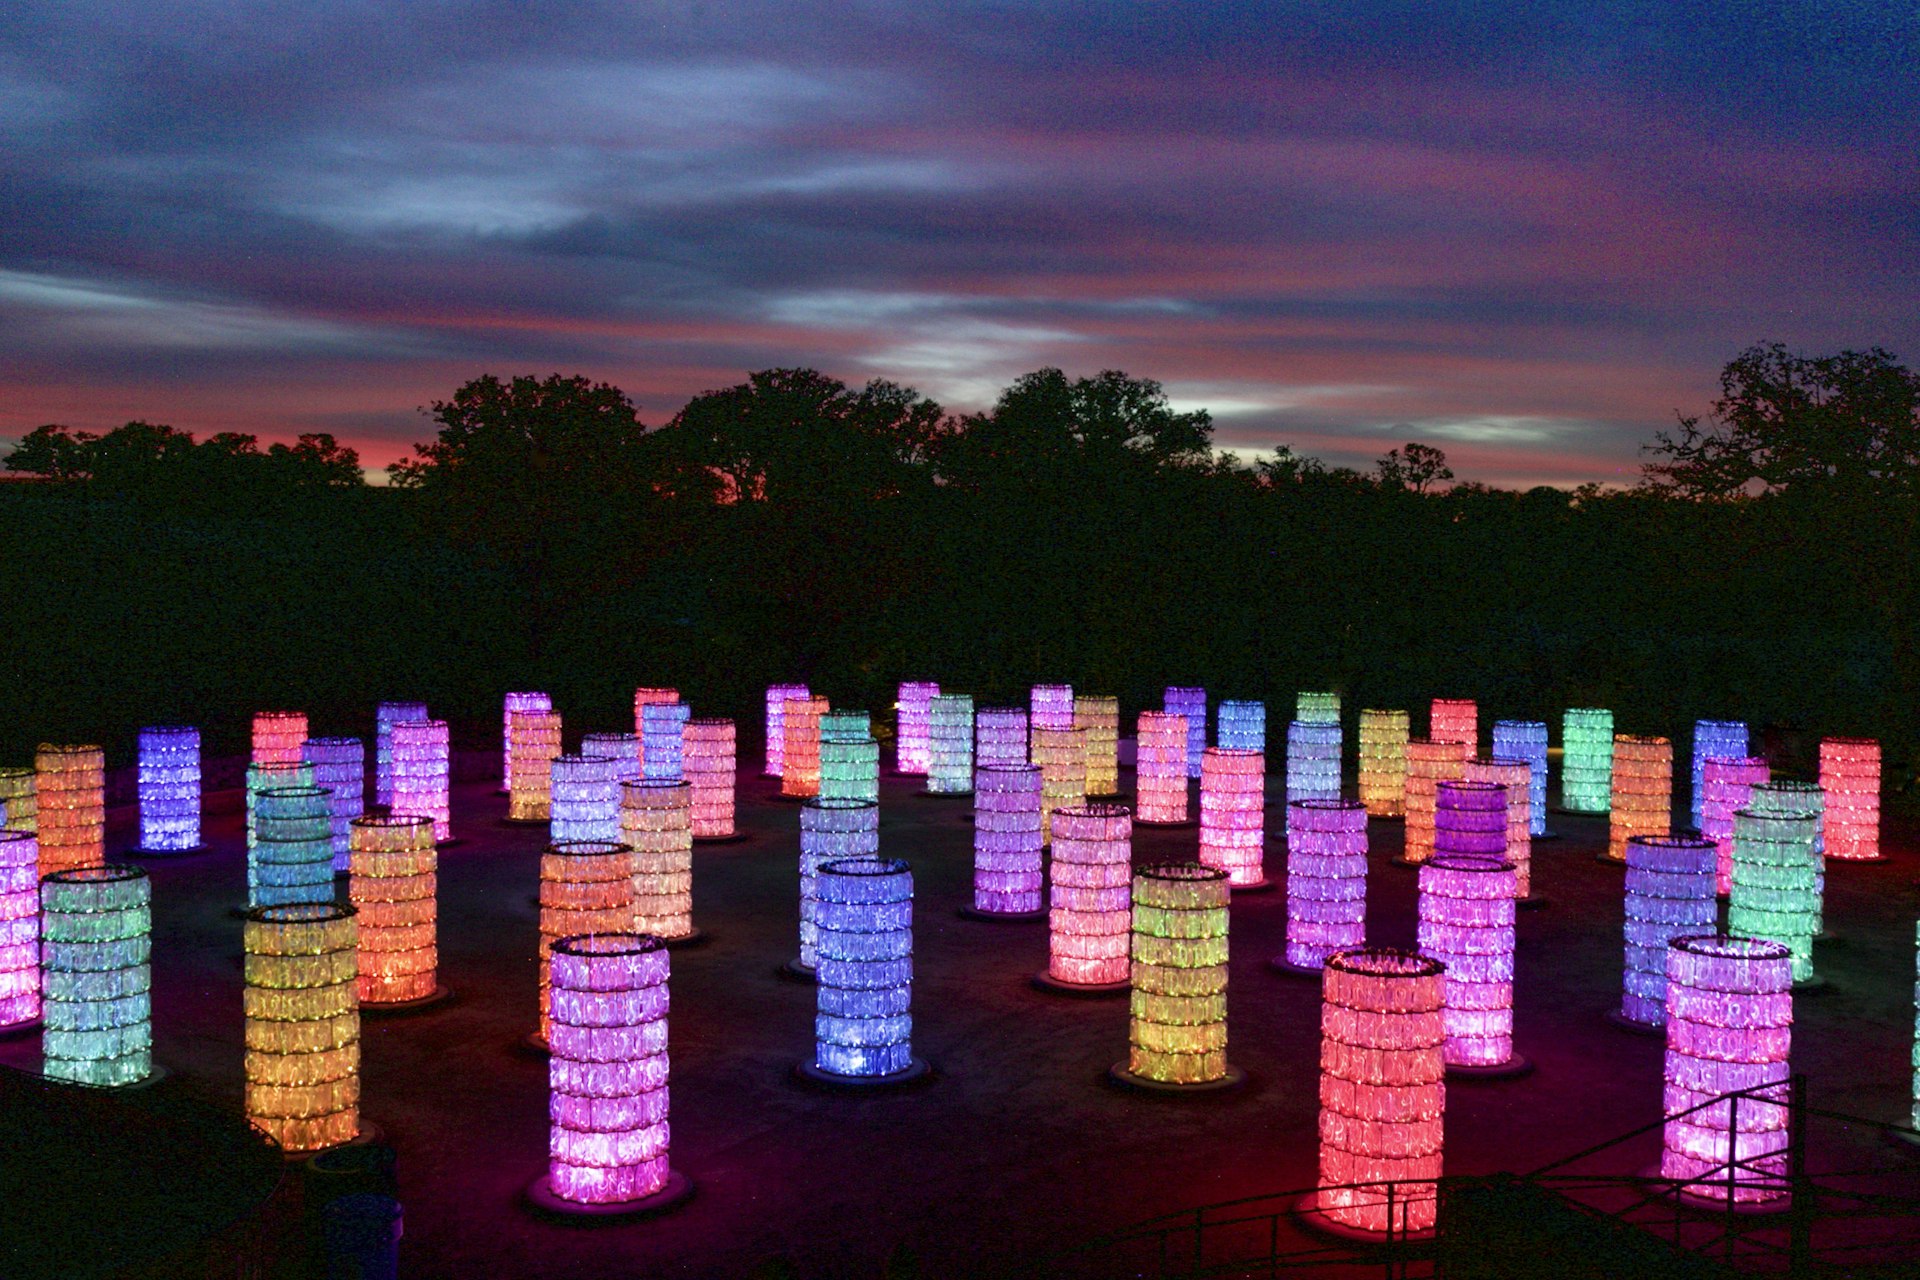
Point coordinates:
[(615, 889)]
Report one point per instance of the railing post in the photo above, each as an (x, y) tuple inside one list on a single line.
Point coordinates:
[(1733, 1166), (1799, 1186)]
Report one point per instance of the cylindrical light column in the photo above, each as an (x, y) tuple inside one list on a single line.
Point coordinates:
[(1429, 764), (534, 743), (1061, 756), (383, 785), (609, 1138), (863, 1030), (303, 1025), (586, 799), (1088, 925), (387, 714), (394, 886), (1383, 1092), (1711, 739), (340, 766), (265, 777), (293, 851), (656, 819), (1669, 895), (1470, 821), (1008, 875), (1455, 720), (1317, 707), (777, 698), (663, 740), (1774, 893), (1233, 815), (710, 765), (849, 758), (1527, 740), (71, 786), (1242, 726), (1050, 706), (1097, 716), (1466, 923), (586, 886), (642, 699), (1000, 736), (96, 939), (800, 752), (1191, 702), (19, 798), (1516, 776), (913, 722), (1326, 881), (169, 787), (1586, 760), (1787, 796), (950, 745), (1726, 785), (19, 930), (1160, 769), (1729, 1029), (279, 736), (1313, 760), (1383, 763), (830, 830), (422, 773), (1850, 775), (623, 749), (1642, 796), (1178, 967)]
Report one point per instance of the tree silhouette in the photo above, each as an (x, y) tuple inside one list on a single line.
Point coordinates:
[(1417, 468)]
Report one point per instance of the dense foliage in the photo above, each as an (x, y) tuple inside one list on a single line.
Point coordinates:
[(792, 526)]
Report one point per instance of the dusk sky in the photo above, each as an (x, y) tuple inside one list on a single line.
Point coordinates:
[(1524, 232)]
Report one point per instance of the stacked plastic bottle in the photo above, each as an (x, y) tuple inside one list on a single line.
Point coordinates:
[(1088, 925), (1233, 815), (1383, 763), (1669, 895), (1008, 871), (1160, 768), (1527, 740), (1326, 880)]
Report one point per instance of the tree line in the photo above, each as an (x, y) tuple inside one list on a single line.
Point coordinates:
[(1081, 530)]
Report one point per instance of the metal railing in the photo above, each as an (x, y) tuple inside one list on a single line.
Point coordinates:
[(1803, 1221)]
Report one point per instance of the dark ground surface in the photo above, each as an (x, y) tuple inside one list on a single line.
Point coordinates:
[(1018, 1147)]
